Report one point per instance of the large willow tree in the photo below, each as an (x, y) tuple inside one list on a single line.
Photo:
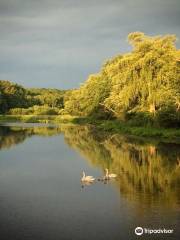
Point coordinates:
[(144, 80)]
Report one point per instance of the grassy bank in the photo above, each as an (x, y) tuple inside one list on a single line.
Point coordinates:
[(36, 118), (116, 126), (112, 126)]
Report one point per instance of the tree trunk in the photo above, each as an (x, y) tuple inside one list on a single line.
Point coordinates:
[(152, 108)]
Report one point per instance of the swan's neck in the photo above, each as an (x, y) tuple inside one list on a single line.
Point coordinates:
[(107, 172), (84, 174)]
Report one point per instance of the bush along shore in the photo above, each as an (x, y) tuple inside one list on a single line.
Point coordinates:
[(115, 126), (36, 118)]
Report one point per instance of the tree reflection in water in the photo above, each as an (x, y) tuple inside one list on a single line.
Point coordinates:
[(148, 171)]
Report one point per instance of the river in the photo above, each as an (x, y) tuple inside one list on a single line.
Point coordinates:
[(42, 197)]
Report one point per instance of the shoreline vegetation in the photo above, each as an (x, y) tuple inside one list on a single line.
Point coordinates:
[(109, 126), (136, 93)]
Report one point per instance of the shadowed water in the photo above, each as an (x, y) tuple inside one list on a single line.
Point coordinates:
[(41, 195)]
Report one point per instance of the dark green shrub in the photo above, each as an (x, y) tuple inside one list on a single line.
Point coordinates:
[(168, 117), (139, 119)]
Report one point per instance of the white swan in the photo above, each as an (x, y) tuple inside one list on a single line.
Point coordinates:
[(87, 178), (109, 175)]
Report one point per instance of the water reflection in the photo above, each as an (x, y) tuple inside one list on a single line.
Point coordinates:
[(86, 184), (148, 172), (10, 136)]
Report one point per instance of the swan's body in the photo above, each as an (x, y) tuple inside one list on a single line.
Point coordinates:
[(109, 175), (87, 178)]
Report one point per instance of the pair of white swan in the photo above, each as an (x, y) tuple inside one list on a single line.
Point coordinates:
[(91, 179)]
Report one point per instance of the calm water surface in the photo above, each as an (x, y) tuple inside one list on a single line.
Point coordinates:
[(41, 196)]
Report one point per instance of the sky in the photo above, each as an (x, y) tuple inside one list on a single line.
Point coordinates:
[(59, 43)]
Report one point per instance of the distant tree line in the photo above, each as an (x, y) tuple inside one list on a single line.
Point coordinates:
[(14, 99)]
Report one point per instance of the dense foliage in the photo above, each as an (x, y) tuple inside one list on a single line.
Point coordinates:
[(143, 84), (87, 100), (48, 97), (11, 95), (14, 99)]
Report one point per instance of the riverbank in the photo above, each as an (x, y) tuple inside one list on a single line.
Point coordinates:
[(111, 126), (116, 126), (36, 118)]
